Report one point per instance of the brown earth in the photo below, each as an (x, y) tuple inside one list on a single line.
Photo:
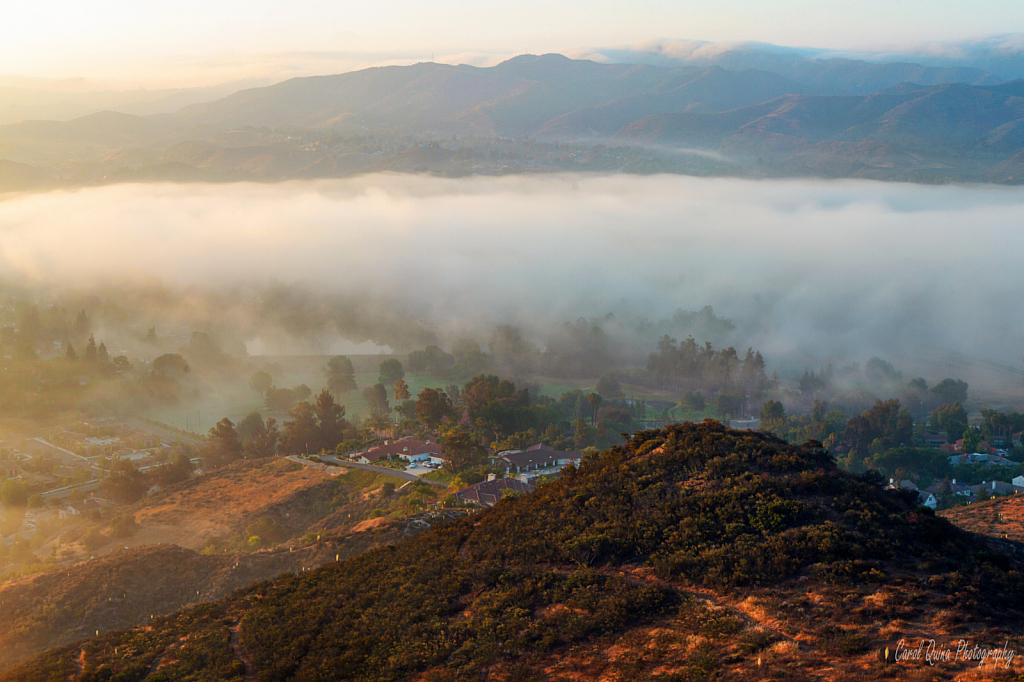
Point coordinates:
[(1001, 518), (129, 587), (158, 570), (801, 630)]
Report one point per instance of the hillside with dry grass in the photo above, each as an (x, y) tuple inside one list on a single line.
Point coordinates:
[(313, 518), (693, 553), (1001, 518)]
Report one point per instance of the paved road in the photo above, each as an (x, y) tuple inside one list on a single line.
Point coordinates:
[(383, 470), (84, 487)]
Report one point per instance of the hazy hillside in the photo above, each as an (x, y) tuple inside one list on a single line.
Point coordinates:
[(936, 129), (830, 73), (694, 552), (517, 117)]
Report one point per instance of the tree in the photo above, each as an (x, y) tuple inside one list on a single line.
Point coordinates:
[(376, 398), (225, 446), (262, 441), (101, 353), (341, 376), (432, 406), (401, 390), (773, 415), (595, 401), (432, 360), (70, 354), (169, 365), (261, 382), (885, 421), (280, 399), (82, 324), (13, 493), (178, 469), (694, 402), (125, 484), (121, 364), (302, 392), (581, 434), (951, 391), (608, 386), (90, 350), (510, 350), (951, 418), (124, 526), (390, 371), (461, 451), (972, 439), (302, 432), (728, 405), (380, 424), (248, 426), (331, 421)]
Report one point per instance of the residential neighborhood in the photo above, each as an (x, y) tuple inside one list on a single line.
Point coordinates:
[(60, 472)]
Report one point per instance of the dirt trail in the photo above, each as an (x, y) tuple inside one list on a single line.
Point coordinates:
[(236, 646), (79, 665)]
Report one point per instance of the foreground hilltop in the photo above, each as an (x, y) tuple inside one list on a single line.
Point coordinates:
[(693, 552)]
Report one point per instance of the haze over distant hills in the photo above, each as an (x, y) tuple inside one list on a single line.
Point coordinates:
[(791, 116)]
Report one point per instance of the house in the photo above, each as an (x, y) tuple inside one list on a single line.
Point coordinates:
[(997, 488), (79, 508), (370, 456), (537, 457), (489, 492), (927, 499), (989, 459), (933, 439), (518, 462), (1018, 481), (409, 449), (562, 459)]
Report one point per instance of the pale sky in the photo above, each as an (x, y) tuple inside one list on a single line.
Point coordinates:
[(205, 41)]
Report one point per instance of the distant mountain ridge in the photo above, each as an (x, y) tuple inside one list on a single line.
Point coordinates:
[(819, 117), (946, 122)]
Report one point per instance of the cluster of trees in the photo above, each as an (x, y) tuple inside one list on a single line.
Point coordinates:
[(125, 484), (465, 360), (311, 428), (688, 366), (853, 386), (884, 437), (278, 399)]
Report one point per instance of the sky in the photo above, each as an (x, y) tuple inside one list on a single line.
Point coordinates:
[(202, 42)]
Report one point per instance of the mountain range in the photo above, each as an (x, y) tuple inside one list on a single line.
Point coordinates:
[(833, 118)]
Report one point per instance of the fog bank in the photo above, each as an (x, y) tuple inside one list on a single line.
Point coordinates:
[(821, 268)]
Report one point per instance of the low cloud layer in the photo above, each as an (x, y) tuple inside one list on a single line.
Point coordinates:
[(804, 268)]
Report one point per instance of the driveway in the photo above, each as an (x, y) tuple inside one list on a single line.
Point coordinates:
[(382, 470)]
